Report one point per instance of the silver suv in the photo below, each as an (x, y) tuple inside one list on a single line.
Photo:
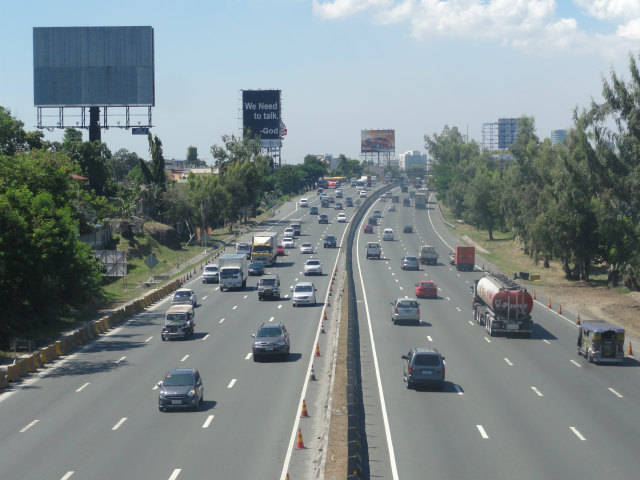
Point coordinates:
[(405, 310), (423, 367)]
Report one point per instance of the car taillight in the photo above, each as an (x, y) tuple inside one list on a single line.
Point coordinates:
[(395, 310), (418, 309), (410, 369)]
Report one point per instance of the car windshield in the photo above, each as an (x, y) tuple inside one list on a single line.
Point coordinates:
[(426, 284), (330, 237), (407, 304), (426, 360), (211, 269), (306, 245), (304, 288), (269, 332), (182, 295), (269, 282), (410, 259), (261, 248), (256, 265), (176, 317), (313, 262), (177, 380)]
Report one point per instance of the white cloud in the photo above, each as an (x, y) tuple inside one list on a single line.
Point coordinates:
[(610, 9), (524, 24)]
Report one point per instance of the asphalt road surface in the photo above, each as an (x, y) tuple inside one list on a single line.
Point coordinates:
[(511, 407), (94, 415)]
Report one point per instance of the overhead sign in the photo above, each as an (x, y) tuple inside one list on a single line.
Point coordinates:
[(139, 131), (261, 114), (377, 141)]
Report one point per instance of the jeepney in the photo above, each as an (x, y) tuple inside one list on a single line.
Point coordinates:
[(601, 342)]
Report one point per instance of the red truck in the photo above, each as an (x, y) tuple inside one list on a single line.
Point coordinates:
[(464, 258)]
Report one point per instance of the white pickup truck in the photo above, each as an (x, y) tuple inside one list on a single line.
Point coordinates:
[(428, 255)]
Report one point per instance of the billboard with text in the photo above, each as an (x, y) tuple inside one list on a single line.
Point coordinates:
[(261, 114), (378, 141)]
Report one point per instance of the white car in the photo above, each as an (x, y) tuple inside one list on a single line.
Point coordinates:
[(313, 267), (306, 248), (210, 274), (363, 193), (304, 293), (304, 202), (185, 295), (288, 242), (342, 218), (288, 232), (387, 234)]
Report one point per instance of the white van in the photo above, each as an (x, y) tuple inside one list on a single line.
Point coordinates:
[(387, 234), (304, 202), (373, 250)]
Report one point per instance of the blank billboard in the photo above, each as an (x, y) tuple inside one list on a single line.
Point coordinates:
[(261, 113), (377, 141), (93, 66)]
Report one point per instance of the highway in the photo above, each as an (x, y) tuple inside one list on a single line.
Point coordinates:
[(94, 415), (511, 407)]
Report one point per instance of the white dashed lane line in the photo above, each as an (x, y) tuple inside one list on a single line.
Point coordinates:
[(448, 298), (235, 307), (28, 426), (537, 392), (546, 341), (245, 297), (67, 475), (208, 421), (119, 424), (482, 431), (232, 383), (486, 339), (470, 322), (429, 338), (617, 394), (271, 319), (185, 357), (458, 309), (205, 297), (121, 359), (575, 363), (508, 362), (577, 433), (148, 339), (79, 389), (221, 321), (205, 337), (175, 473), (249, 355)]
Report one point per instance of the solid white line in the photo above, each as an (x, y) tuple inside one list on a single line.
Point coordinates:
[(538, 392), (175, 474), (121, 359), (232, 383), (67, 475), (619, 395), (221, 320), (508, 362), (148, 339), (303, 393), (483, 433), (429, 338), (546, 341), (208, 421), (470, 322), (234, 307), (120, 422), (27, 427), (577, 433), (184, 358), (487, 340), (459, 309), (383, 405), (249, 355), (459, 390), (79, 389), (205, 337), (575, 363)]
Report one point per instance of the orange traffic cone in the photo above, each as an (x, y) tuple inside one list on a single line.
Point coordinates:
[(548, 303), (304, 412), (324, 315), (299, 442), (578, 322), (534, 294), (629, 349), (287, 477), (560, 310), (317, 352)]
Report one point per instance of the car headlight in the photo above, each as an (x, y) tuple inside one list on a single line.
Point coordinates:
[(191, 392), (163, 394)]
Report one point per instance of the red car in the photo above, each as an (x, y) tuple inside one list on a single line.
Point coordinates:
[(426, 289), (280, 250), (368, 228)]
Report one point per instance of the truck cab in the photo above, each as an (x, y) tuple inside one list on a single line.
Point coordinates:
[(179, 322)]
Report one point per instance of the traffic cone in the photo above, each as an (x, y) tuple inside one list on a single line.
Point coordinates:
[(629, 349), (534, 294), (304, 413), (560, 310), (299, 442), (313, 375), (548, 303), (317, 352), (578, 320), (324, 315)]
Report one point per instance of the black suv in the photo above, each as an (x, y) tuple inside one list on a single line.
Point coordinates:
[(270, 339), (313, 211), (323, 218), (330, 241), (181, 388), (423, 366)]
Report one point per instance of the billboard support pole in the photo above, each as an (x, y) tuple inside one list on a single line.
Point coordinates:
[(94, 124)]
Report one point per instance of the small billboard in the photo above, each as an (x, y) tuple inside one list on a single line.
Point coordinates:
[(377, 141), (261, 115)]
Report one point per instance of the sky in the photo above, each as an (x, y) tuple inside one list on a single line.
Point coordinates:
[(345, 65)]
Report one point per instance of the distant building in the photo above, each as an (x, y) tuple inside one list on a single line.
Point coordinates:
[(507, 132), (412, 158), (558, 136), (490, 136), (502, 160)]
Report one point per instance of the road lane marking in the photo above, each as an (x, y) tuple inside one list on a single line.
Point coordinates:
[(155, 387), (232, 383), (184, 358), (175, 474), (482, 431), (67, 475), (120, 422), (401, 287), (235, 307), (392, 274), (205, 337), (148, 339), (296, 279), (617, 394), (280, 306), (546, 341), (537, 392), (508, 362), (79, 389), (208, 421), (397, 280), (487, 340), (27, 427), (429, 338), (271, 319), (121, 359), (204, 298), (217, 289), (221, 321), (459, 390), (577, 433), (245, 297), (448, 298), (470, 322), (458, 309), (249, 355), (575, 363)]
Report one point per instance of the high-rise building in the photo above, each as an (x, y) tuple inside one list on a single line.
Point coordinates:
[(490, 136), (558, 136), (507, 131), (412, 158)]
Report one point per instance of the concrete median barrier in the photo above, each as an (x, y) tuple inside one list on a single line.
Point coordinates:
[(37, 361), (58, 347), (4, 381), (12, 373), (20, 367), (28, 364), (51, 352)]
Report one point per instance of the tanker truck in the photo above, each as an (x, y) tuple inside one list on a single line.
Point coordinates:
[(502, 305)]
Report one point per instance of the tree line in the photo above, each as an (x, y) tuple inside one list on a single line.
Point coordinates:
[(577, 202)]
